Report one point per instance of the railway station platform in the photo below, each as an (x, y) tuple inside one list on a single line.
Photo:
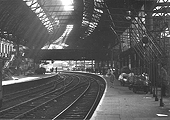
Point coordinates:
[(22, 78), (120, 103)]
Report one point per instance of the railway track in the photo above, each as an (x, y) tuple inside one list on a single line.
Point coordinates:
[(76, 98), (84, 106), (19, 96)]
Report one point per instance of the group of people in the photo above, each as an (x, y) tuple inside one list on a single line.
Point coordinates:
[(128, 79), (111, 73)]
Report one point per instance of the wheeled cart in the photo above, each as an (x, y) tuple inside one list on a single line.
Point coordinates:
[(139, 84)]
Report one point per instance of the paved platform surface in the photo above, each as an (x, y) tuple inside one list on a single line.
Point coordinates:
[(120, 103), (22, 78)]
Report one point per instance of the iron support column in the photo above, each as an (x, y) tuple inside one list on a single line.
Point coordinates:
[(111, 58), (161, 99), (17, 57), (1, 65), (156, 80), (150, 77)]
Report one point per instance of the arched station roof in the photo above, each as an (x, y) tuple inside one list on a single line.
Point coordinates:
[(39, 23)]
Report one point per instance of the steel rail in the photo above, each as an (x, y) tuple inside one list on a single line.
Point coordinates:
[(31, 100), (23, 115), (95, 102), (56, 117), (27, 91), (83, 96)]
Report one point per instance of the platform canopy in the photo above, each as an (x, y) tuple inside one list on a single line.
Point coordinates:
[(90, 24)]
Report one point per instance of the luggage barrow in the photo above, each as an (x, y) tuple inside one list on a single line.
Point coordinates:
[(140, 84)]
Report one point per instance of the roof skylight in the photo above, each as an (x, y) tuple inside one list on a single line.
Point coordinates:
[(92, 23), (60, 42), (160, 7), (68, 5), (34, 5)]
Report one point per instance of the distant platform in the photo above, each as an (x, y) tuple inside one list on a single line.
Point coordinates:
[(22, 78)]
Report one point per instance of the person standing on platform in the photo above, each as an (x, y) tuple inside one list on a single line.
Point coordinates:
[(112, 78)]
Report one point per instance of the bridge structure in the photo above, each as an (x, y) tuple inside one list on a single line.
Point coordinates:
[(71, 54)]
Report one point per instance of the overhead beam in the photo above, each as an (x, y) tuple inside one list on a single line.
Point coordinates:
[(70, 54)]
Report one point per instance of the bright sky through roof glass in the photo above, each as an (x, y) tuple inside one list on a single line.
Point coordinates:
[(67, 2), (60, 42), (68, 5)]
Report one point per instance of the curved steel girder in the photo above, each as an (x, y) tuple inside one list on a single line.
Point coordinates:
[(87, 14), (27, 27), (18, 19)]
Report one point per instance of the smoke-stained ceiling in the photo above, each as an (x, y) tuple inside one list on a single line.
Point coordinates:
[(84, 24)]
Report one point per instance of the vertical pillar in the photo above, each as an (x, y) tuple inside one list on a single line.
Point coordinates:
[(159, 71), (17, 57), (128, 60), (92, 66), (76, 64), (111, 58), (154, 79), (96, 66), (136, 63), (1, 62), (132, 60), (123, 61), (107, 63), (150, 76), (84, 65), (120, 60), (141, 65)]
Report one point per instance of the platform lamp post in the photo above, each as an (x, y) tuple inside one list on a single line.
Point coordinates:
[(1, 65)]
